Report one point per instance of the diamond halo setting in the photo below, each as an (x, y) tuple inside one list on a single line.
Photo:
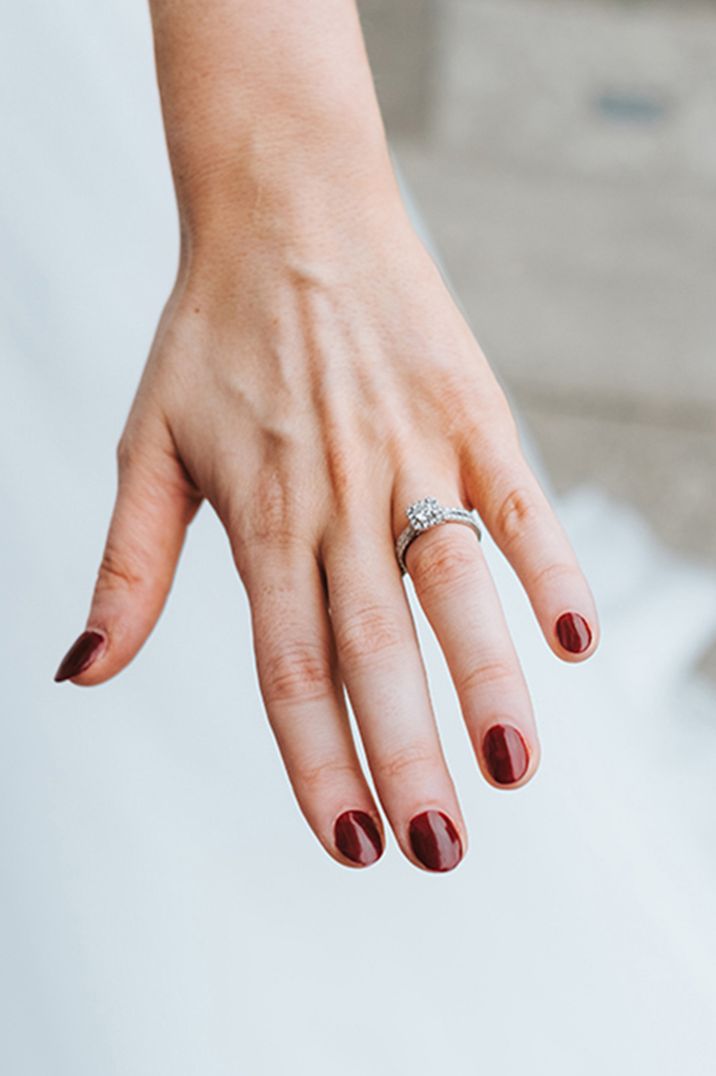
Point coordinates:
[(427, 513)]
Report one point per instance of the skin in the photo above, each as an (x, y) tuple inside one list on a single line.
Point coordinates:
[(310, 377)]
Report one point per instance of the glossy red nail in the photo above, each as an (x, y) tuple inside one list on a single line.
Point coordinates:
[(435, 841), (506, 754), (80, 655), (574, 632), (358, 837)]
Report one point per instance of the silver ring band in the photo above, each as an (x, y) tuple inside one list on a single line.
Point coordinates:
[(427, 513)]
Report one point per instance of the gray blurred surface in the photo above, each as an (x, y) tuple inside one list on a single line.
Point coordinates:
[(565, 160)]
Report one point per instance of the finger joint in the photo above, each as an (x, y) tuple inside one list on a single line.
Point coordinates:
[(443, 561), (295, 674), (515, 515), (368, 633), (116, 572), (487, 673), (403, 760)]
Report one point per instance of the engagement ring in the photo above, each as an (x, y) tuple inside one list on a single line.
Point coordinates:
[(427, 513)]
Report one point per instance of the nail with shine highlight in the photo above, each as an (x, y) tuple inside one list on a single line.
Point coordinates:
[(506, 754), (358, 837), (80, 656), (574, 633), (435, 841)]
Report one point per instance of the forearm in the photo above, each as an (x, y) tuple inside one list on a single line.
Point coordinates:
[(269, 107)]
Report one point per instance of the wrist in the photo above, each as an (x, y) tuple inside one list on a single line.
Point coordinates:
[(280, 179), (270, 111)]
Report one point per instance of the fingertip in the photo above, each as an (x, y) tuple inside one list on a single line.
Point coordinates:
[(509, 757), (436, 843), (575, 637), (84, 652), (358, 839)]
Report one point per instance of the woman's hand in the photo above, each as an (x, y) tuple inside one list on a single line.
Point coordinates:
[(310, 397), (311, 377)]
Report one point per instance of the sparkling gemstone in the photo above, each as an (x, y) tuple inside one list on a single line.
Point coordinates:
[(425, 513)]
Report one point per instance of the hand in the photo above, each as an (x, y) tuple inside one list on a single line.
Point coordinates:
[(310, 382)]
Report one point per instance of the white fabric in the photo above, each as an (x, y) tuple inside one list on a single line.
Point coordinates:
[(164, 907)]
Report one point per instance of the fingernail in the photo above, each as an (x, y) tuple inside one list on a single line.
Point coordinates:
[(506, 754), (358, 837), (574, 632), (435, 841), (80, 655)]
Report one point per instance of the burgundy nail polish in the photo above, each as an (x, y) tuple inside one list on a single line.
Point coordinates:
[(435, 841), (506, 754), (358, 837), (80, 655), (574, 633)]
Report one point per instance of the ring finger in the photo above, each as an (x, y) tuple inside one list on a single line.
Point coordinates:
[(456, 591)]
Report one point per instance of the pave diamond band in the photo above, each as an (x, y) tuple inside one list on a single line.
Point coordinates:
[(427, 513)]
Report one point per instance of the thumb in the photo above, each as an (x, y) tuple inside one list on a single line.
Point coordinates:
[(155, 503)]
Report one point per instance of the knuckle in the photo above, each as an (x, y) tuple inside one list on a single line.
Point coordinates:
[(273, 518), (340, 464), (403, 760), (554, 572), (441, 559), (486, 673), (328, 773), (117, 572), (367, 633), (515, 514), (253, 551), (269, 514), (253, 548), (128, 450), (298, 673)]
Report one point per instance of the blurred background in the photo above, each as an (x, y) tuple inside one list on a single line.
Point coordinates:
[(564, 156)]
